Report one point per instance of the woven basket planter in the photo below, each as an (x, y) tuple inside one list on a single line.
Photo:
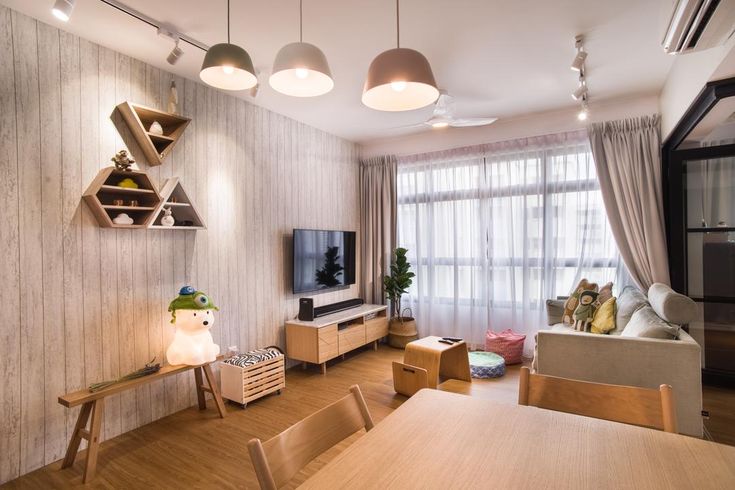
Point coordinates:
[(401, 331)]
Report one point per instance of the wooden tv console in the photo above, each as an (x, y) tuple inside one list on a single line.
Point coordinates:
[(334, 335)]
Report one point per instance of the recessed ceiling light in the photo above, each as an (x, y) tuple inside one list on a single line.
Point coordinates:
[(62, 9)]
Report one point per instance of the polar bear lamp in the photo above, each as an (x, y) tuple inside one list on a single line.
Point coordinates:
[(192, 313)]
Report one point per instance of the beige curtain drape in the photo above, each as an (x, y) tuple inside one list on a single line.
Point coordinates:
[(378, 210), (627, 156)]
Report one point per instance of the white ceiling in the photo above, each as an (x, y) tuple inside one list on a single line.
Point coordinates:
[(501, 58)]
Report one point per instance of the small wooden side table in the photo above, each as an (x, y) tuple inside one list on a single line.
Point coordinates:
[(439, 359), (93, 405)]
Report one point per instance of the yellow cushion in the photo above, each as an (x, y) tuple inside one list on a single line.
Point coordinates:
[(604, 319)]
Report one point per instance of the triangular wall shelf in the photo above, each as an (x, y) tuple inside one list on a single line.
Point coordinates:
[(139, 119), (174, 196), (104, 190)]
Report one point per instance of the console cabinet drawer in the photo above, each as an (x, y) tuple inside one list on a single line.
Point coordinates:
[(376, 328), (328, 343), (351, 337)]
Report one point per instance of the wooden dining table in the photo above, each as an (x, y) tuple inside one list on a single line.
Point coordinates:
[(445, 440)]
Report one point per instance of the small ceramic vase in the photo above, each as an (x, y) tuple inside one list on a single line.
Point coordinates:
[(156, 128), (167, 219)]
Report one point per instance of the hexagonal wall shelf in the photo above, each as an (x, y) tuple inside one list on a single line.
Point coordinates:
[(106, 199)]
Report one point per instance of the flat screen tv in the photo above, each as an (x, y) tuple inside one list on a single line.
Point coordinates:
[(322, 259)]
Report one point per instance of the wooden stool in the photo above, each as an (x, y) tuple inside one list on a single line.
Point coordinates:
[(439, 359), (93, 404)]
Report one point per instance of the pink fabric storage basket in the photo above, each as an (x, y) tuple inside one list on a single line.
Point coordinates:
[(507, 344)]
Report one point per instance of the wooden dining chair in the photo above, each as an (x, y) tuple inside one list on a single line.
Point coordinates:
[(278, 459), (407, 379), (627, 404)]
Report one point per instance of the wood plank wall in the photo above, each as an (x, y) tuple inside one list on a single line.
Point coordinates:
[(82, 303)]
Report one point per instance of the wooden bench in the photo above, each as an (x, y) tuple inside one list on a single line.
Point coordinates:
[(93, 406)]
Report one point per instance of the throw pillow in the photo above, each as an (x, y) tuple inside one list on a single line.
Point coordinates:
[(573, 301), (605, 294), (628, 302), (604, 319), (554, 311), (647, 324), (584, 313)]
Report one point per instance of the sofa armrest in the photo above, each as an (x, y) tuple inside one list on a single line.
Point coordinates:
[(647, 363)]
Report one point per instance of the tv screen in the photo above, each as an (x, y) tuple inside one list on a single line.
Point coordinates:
[(322, 259)]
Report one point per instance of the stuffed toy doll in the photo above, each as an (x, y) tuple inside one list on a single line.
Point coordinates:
[(573, 301), (584, 313), (192, 315)]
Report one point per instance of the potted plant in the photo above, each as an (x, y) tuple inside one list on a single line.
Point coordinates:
[(402, 329)]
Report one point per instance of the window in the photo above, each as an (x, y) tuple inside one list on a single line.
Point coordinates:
[(493, 233)]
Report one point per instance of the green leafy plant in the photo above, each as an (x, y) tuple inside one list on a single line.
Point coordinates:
[(399, 280)]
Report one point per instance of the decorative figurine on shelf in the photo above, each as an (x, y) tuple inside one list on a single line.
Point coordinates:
[(123, 219), (584, 313), (122, 161), (168, 219), (722, 224), (173, 99), (192, 313), (156, 128), (128, 183)]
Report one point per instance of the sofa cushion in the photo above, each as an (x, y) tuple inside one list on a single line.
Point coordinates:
[(554, 311), (630, 300), (647, 324), (604, 320), (670, 305)]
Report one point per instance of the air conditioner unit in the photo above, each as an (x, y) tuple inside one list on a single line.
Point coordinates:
[(699, 24)]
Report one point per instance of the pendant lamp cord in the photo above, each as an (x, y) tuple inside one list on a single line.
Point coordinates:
[(398, 24), (301, 21), (228, 21)]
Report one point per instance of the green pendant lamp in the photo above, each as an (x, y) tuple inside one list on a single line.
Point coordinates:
[(301, 69), (228, 66), (399, 79)]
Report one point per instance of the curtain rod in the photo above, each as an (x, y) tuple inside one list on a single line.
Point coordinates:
[(153, 22)]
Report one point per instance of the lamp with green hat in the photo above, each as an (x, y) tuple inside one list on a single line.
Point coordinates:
[(192, 313)]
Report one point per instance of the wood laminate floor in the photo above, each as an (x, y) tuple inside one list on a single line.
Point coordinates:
[(193, 449)]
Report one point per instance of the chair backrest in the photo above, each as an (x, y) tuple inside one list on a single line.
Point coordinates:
[(408, 379), (277, 460), (628, 404)]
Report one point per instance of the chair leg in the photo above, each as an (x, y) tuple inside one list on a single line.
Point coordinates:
[(668, 409), (202, 401), (523, 386)]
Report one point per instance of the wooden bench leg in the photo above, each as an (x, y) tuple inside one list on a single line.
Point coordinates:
[(94, 439), (76, 437), (198, 379), (214, 389)]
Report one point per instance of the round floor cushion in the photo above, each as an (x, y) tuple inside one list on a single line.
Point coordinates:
[(486, 365)]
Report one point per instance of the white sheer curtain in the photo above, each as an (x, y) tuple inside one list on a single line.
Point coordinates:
[(495, 230)]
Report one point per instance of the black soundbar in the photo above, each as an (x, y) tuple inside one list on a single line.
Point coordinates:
[(339, 306)]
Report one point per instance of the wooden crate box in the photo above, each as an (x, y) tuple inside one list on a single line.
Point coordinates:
[(253, 375)]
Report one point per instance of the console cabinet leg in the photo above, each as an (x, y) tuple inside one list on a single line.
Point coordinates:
[(324, 368)]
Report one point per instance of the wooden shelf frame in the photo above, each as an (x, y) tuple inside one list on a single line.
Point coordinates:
[(103, 190), (182, 210), (155, 147)]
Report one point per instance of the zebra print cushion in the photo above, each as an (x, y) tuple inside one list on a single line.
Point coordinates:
[(254, 357)]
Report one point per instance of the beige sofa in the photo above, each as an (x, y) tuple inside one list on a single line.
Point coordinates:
[(622, 359)]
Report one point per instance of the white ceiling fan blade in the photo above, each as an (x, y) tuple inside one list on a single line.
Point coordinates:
[(472, 121)]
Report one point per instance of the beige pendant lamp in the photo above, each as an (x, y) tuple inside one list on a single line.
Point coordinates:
[(301, 69), (399, 79), (228, 66)]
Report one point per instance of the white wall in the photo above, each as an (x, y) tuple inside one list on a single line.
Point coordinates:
[(82, 304), (507, 129), (687, 78)]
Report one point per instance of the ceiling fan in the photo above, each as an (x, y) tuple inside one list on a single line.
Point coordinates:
[(444, 115)]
